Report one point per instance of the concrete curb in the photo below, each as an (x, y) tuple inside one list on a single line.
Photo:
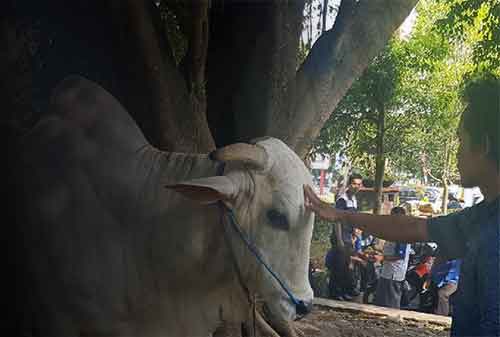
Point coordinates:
[(386, 312)]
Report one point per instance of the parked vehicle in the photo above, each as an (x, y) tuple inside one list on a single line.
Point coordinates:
[(434, 197), (407, 195)]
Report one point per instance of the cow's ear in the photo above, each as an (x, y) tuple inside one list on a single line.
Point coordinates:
[(206, 190)]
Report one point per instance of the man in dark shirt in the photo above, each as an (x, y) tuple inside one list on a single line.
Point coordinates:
[(472, 234), (347, 201), (344, 283)]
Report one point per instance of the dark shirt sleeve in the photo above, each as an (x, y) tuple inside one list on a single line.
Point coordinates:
[(341, 204), (451, 233), (489, 280), (346, 229)]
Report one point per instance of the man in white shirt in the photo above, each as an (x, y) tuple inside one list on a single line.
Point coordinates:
[(390, 283)]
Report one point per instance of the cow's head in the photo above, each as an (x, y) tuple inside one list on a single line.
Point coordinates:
[(262, 184)]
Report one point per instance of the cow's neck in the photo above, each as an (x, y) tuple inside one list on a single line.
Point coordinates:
[(188, 250), (175, 167)]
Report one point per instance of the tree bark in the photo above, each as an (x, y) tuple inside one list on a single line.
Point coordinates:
[(338, 57), (178, 115), (444, 205), (445, 178), (324, 15), (380, 161), (310, 25), (252, 59), (425, 169)]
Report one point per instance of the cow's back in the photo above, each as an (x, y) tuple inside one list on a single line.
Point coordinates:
[(77, 189), (109, 250)]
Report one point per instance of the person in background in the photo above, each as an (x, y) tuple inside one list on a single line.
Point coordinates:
[(347, 202), (344, 277), (358, 262), (338, 262), (395, 264), (453, 203), (373, 254), (445, 278), (417, 276), (330, 260), (357, 240)]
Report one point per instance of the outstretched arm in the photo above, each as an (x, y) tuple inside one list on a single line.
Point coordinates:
[(389, 227)]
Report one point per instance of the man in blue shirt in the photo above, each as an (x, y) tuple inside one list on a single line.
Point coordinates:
[(472, 234), (445, 278)]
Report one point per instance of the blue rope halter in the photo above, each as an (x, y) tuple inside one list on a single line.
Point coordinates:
[(300, 307)]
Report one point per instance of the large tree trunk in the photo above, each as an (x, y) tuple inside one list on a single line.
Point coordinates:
[(252, 59)]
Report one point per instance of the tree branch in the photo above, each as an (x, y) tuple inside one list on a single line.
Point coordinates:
[(338, 57), (197, 47), (434, 177)]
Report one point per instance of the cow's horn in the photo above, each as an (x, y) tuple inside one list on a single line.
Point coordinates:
[(248, 154)]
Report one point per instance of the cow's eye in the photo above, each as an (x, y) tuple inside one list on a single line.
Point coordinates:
[(278, 220)]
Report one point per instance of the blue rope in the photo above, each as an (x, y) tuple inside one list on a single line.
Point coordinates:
[(300, 306)]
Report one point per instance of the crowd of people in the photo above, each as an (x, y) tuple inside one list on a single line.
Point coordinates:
[(472, 235), (366, 269)]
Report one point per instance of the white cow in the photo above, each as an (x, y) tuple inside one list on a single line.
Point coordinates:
[(122, 239)]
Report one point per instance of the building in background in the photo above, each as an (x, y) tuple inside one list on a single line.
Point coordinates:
[(321, 176)]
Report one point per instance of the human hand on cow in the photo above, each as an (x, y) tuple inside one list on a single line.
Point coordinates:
[(313, 203)]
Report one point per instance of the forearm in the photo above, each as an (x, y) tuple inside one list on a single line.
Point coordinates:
[(388, 227)]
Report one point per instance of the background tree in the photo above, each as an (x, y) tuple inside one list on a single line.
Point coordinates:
[(421, 140), (436, 67), (360, 123), (475, 23)]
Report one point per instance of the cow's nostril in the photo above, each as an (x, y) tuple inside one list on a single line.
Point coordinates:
[(310, 306)]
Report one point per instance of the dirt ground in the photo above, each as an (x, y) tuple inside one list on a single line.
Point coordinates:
[(327, 322)]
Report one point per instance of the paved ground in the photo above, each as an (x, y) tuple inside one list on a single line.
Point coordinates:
[(384, 312), (340, 319)]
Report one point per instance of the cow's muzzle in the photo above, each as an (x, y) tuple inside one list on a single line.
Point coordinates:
[(302, 308)]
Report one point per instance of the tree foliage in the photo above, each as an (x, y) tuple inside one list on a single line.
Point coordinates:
[(475, 23), (352, 129), (425, 106), (435, 68)]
